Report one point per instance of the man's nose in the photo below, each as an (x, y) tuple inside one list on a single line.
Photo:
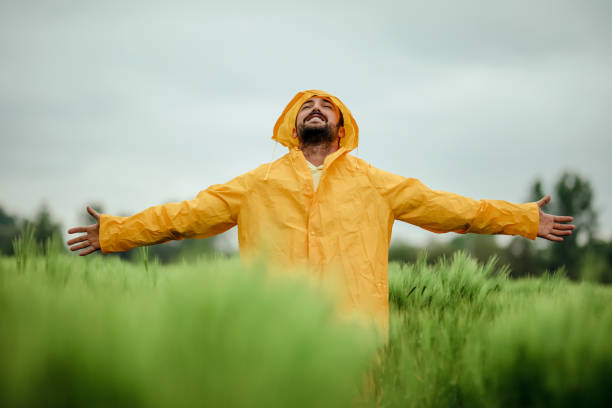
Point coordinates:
[(317, 111)]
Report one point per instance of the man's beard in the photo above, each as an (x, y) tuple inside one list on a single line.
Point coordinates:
[(316, 135)]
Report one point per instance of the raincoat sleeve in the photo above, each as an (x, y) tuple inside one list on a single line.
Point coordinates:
[(213, 211), (438, 211)]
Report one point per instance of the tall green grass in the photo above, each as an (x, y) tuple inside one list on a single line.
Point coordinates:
[(463, 334), (101, 332)]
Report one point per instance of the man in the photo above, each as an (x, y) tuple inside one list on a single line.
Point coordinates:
[(320, 207)]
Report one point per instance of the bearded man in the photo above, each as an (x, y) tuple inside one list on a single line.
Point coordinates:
[(321, 208)]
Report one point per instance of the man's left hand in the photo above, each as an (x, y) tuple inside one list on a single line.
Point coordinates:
[(553, 227)]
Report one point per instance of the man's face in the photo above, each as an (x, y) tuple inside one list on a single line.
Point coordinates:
[(317, 121)]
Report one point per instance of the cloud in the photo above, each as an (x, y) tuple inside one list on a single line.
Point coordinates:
[(137, 103)]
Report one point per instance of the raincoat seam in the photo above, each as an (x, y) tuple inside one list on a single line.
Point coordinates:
[(385, 199)]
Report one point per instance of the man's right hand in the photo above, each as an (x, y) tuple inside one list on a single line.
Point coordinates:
[(91, 238)]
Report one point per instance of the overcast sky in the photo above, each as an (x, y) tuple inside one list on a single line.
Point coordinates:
[(136, 103)]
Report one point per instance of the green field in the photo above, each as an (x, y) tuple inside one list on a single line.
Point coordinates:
[(101, 332)]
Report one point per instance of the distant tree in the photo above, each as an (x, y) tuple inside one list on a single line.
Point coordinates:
[(45, 227), (5, 219), (572, 195), (575, 197), (184, 250), (402, 252), (9, 229), (481, 247)]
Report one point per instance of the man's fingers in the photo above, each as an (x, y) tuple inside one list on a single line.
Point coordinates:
[(543, 201), (77, 229), (552, 237), (79, 246), (77, 239), (564, 226), (563, 218), (87, 251), (560, 232), (93, 213)]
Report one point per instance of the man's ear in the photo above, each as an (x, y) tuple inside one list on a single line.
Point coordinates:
[(341, 132), (294, 133)]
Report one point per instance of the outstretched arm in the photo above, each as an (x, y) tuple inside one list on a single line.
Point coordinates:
[(213, 211), (439, 211)]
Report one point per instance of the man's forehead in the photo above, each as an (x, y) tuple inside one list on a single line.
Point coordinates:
[(313, 98)]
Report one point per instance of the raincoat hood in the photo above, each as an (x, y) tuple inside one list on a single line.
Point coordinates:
[(283, 129)]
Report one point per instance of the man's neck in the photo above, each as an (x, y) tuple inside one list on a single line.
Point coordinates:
[(316, 154)]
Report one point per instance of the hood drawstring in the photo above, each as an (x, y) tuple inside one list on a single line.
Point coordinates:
[(270, 164)]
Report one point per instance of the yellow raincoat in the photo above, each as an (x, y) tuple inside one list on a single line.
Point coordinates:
[(344, 226)]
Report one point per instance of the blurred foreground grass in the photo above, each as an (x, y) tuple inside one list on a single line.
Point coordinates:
[(101, 332)]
